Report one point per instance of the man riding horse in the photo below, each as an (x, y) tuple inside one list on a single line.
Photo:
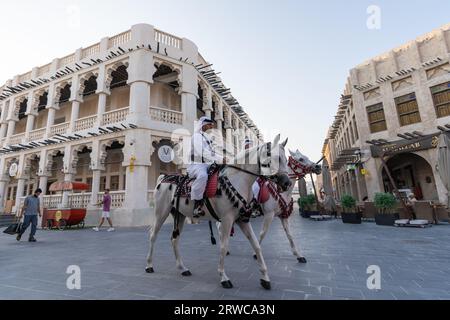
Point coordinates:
[(203, 156)]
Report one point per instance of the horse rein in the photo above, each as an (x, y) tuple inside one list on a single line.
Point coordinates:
[(294, 165)]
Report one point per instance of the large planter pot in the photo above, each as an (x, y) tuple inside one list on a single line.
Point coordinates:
[(305, 214), (387, 219), (351, 218)]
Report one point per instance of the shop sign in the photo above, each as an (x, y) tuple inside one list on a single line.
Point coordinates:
[(404, 146)]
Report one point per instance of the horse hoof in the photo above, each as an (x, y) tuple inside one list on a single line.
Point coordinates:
[(228, 253), (186, 274), (227, 284), (266, 284), (150, 270), (255, 257), (302, 260)]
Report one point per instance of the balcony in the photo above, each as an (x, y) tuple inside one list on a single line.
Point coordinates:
[(37, 134), (166, 116), (115, 116), (119, 39), (85, 123), (168, 39), (16, 139), (60, 129)]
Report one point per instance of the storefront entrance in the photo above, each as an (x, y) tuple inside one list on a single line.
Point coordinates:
[(412, 172)]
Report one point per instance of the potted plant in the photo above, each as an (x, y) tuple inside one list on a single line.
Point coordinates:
[(386, 204), (307, 206), (350, 213), (303, 207)]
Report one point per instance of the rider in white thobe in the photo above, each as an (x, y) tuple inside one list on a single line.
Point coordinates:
[(203, 156)]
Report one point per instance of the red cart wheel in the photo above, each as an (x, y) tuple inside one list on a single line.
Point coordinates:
[(62, 224)]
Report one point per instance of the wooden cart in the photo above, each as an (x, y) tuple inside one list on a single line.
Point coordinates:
[(65, 217)]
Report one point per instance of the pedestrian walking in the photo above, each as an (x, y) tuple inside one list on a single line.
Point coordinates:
[(31, 209), (106, 212)]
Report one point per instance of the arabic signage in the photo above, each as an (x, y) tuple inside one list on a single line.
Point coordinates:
[(404, 146)]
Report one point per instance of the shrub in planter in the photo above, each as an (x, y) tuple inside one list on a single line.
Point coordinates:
[(307, 206), (386, 204), (350, 213), (302, 203)]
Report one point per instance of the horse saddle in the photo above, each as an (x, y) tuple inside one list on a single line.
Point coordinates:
[(264, 193), (184, 183)]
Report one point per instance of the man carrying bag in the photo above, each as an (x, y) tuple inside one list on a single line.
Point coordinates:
[(31, 209), (13, 229)]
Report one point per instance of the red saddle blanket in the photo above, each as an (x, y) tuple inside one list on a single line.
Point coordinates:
[(184, 185), (264, 193)]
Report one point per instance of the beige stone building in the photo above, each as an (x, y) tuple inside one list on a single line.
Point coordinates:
[(393, 105), (100, 114)]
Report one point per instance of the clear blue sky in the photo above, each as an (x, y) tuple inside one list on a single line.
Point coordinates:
[(286, 61)]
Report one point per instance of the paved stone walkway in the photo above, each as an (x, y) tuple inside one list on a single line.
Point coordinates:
[(415, 264)]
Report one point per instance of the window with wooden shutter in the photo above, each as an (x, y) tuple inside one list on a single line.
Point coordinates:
[(407, 109), (377, 119), (441, 99)]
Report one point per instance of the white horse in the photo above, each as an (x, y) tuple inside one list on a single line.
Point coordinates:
[(279, 203), (236, 182)]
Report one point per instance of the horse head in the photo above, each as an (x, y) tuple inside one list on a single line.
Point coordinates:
[(301, 165), (273, 163)]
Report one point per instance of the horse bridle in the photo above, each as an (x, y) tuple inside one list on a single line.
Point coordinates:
[(295, 165), (260, 165)]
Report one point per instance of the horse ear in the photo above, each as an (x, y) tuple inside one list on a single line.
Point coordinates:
[(284, 144), (277, 140), (293, 154)]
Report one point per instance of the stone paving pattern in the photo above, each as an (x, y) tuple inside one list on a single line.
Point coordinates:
[(415, 264)]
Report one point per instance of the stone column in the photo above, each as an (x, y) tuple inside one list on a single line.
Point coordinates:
[(102, 92), (189, 96), (3, 129), (101, 108), (51, 110), (207, 105), (11, 128), (19, 194), (31, 115), (70, 160), (3, 122), (140, 70), (96, 176), (137, 164), (4, 179), (43, 172), (43, 181), (74, 115), (374, 179)]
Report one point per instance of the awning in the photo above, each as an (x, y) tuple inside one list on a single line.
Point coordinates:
[(347, 156), (68, 186)]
